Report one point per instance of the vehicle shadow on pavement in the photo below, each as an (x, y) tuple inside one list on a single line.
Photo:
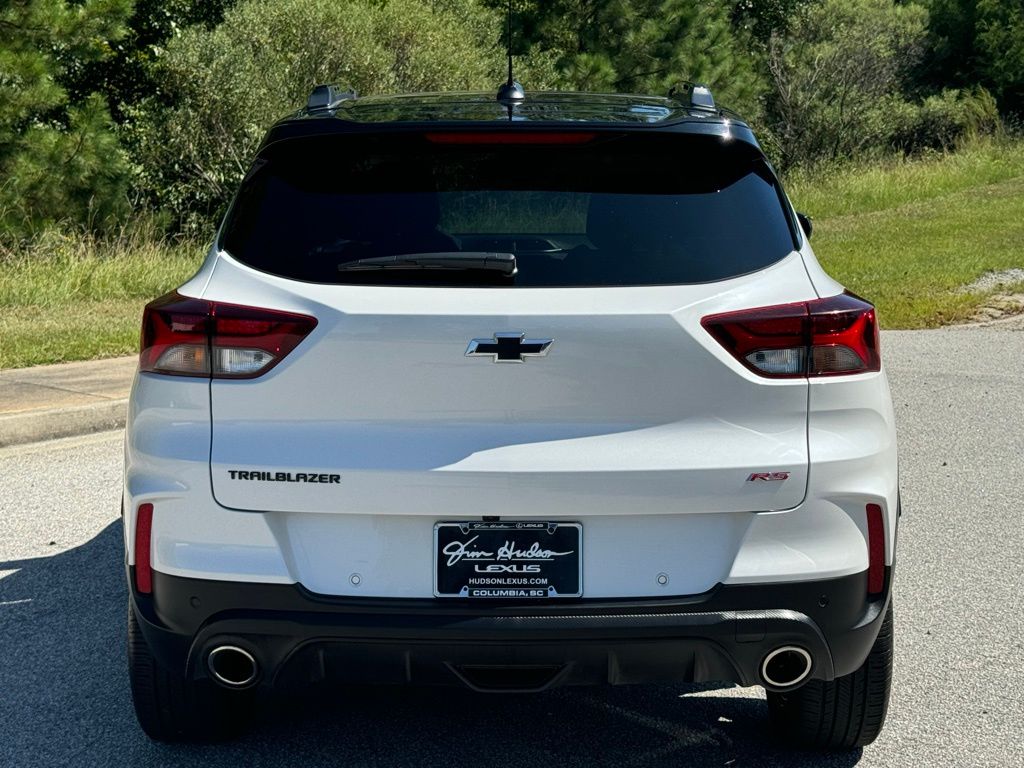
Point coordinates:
[(64, 700)]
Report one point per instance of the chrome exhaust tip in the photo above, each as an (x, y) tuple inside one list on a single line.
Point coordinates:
[(232, 666), (786, 666)]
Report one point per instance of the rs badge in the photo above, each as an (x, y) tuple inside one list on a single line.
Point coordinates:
[(767, 476)]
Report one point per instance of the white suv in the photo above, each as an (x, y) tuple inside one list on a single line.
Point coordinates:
[(511, 394)]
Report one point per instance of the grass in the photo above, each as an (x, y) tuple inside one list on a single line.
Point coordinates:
[(888, 185), (908, 235), (76, 297)]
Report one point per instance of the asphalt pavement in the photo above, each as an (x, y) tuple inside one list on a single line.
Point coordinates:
[(959, 686)]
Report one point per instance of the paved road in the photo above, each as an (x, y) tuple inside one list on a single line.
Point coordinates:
[(959, 690)]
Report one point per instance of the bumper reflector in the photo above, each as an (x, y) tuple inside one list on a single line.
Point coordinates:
[(143, 545), (876, 550)]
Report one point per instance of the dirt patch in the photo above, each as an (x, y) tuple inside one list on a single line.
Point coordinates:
[(1007, 299), (998, 307)]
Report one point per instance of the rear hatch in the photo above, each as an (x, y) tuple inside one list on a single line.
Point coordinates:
[(583, 384)]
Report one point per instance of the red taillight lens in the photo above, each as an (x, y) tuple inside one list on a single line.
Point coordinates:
[(143, 548), (876, 550), (824, 337), (175, 336), (510, 137), (248, 342), (771, 341), (844, 336), (194, 337)]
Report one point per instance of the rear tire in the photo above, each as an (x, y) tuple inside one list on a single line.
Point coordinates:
[(170, 707), (845, 713)]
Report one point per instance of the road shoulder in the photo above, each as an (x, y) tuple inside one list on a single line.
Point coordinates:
[(51, 401)]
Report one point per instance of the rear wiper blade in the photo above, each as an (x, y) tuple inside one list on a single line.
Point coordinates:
[(505, 263)]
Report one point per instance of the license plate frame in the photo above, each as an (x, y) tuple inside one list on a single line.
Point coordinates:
[(508, 560)]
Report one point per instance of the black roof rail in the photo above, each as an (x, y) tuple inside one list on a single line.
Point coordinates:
[(328, 97), (698, 96)]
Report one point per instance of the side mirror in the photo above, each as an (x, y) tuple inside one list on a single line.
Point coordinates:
[(806, 224)]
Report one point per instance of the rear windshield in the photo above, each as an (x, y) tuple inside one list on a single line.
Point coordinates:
[(610, 211)]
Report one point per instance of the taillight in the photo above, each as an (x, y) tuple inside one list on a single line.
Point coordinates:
[(247, 342), (876, 549), (194, 337), (175, 336), (824, 337), (143, 548)]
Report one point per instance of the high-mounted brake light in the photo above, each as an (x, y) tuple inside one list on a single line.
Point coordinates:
[(143, 548), (182, 336), (825, 337), (510, 137)]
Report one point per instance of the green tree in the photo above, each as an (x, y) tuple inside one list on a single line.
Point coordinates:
[(224, 86), (59, 158), (641, 45), (951, 58), (1000, 46), (126, 76), (840, 76), (764, 18), (978, 42)]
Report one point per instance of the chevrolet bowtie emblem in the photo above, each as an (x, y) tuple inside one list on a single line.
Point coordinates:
[(509, 347)]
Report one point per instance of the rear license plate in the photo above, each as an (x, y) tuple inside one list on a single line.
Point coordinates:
[(508, 560)]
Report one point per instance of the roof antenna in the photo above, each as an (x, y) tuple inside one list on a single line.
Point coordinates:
[(511, 92)]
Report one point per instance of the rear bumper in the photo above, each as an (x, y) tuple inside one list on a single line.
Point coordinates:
[(299, 638)]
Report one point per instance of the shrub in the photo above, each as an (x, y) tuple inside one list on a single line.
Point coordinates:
[(943, 121)]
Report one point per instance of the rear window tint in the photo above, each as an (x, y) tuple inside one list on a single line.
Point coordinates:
[(618, 210)]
